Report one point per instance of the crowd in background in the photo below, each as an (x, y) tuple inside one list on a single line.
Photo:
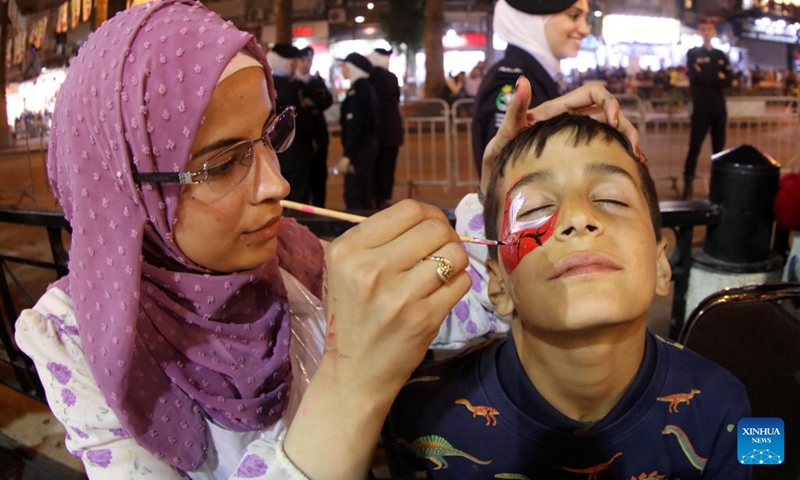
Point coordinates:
[(673, 82)]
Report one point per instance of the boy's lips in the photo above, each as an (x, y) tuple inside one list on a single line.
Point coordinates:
[(583, 263)]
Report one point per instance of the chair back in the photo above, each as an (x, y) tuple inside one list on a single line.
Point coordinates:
[(754, 332)]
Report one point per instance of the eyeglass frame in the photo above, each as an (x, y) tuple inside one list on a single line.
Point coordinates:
[(189, 178)]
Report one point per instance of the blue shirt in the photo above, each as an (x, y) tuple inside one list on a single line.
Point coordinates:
[(479, 416)]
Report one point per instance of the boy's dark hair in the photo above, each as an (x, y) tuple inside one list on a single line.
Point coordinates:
[(582, 130)]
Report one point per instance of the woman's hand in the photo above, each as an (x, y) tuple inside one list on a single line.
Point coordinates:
[(385, 305), (591, 99)]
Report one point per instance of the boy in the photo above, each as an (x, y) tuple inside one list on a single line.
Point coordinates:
[(581, 389)]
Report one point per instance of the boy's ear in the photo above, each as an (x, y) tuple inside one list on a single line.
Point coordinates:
[(498, 293), (663, 270)]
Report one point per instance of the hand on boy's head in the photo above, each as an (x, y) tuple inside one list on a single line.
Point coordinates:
[(395, 300), (591, 99)]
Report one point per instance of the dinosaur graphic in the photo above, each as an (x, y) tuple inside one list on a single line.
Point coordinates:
[(477, 410), (594, 470), (435, 448), (677, 398), (649, 476), (696, 460)]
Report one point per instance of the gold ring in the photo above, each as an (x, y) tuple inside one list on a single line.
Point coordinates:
[(444, 270)]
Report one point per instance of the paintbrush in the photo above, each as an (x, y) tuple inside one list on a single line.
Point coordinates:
[(349, 217)]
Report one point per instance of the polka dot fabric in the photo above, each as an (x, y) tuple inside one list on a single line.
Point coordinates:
[(169, 343)]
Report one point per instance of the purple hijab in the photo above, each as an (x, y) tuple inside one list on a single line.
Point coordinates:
[(169, 343)]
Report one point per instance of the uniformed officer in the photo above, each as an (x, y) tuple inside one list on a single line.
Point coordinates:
[(540, 33), (709, 72), (359, 121), (316, 97), (295, 161), (390, 135)]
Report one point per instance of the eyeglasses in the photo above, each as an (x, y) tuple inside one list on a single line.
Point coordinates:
[(227, 169)]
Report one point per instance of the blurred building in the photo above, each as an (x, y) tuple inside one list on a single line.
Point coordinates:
[(44, 35)]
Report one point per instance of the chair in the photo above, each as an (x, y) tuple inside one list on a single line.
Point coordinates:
[(754, 332)]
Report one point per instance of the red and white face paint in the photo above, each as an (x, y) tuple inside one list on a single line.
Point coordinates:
[(522, 237)]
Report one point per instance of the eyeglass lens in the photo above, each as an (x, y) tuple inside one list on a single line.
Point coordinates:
[(230, 167), (281, 132)]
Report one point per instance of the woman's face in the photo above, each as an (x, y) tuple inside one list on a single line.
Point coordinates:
[(236, 231), (565, 30)]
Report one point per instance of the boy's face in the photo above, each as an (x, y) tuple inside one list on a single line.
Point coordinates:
[(598, 262)]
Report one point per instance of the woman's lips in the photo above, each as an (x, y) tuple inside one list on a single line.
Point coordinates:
[(268, 230), (585, 263)]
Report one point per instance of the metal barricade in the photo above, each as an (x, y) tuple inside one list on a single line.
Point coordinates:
[(666, 126), (16, 167), (770, 124), (16, 370), (463, 163), (424, 157)]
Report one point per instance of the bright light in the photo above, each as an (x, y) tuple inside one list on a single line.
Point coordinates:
[(370, 6), (451, 33), (301, 43), (598, 13), (763, 22), (636, 29), (360, 19)]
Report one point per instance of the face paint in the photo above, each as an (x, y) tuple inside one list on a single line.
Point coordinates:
[(522, 237)]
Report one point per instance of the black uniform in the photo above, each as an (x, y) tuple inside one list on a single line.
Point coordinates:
[(497, 90), (317, 98), (390, 135), (707, 86), (296, 160), (359, 119)]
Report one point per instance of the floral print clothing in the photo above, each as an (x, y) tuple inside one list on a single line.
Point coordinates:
[(49, 334), (473, 319)]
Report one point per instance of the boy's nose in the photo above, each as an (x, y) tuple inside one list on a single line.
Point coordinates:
[(577, 218)]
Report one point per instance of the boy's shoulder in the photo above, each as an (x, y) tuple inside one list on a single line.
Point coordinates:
[(685, 367)]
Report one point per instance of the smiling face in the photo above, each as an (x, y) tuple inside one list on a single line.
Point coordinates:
[(237, 231), (599, 262), (565, 30)]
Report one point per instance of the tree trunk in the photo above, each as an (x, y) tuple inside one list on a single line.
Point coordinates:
[(4, 25), (283, 21), (434, 52)]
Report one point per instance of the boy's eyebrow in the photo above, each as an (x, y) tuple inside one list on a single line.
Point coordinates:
[(531, 178), (595, 168), (607, 169)]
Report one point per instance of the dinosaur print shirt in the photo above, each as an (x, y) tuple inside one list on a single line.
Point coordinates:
[(478, 416)]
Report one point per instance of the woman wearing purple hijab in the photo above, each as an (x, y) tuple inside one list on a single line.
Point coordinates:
[(184, 339), (189, 326)]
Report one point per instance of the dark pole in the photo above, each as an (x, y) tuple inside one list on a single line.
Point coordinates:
[(4, 24)]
